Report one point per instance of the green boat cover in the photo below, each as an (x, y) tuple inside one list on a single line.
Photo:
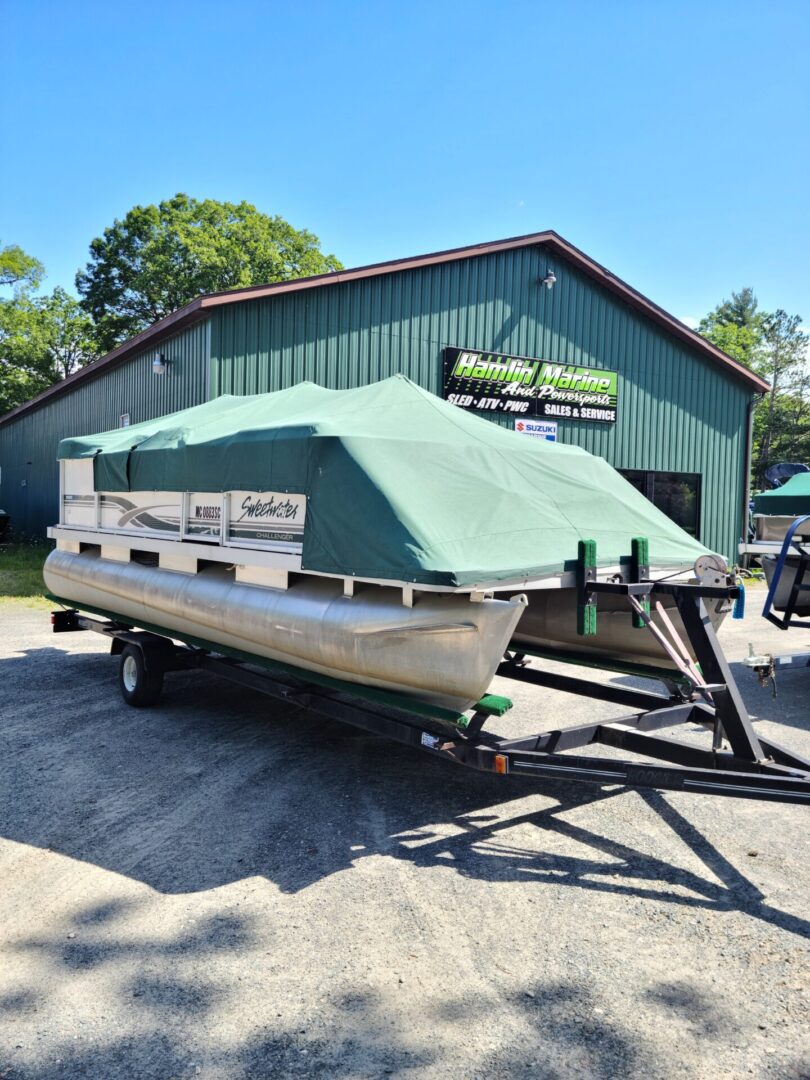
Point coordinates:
[(400, 484), (790, 500)]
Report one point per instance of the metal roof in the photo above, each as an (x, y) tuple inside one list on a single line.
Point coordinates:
[(200, 307)]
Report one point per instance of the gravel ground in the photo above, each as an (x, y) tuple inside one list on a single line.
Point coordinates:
[(221, 887)]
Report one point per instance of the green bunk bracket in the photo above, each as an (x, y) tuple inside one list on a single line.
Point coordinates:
[(494, 705), (586, 603), (639, 571), (488, 705)]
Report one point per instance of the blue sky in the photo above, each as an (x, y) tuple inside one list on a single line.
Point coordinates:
[(670, 141)]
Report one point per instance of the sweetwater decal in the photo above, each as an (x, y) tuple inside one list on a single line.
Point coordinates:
[(262, 519), (541, 429), (497, 383), (267, 516)]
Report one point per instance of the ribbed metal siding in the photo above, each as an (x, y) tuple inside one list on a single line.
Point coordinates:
[(29, 477), (677, 412)]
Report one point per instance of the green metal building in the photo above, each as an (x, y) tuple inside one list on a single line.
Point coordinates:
[(675, 418)]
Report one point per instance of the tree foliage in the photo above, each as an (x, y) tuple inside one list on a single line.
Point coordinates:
[(159, 257), (42, 339), (774, 345), (143, 267), (735, 326), (782, 419), (19, 269)]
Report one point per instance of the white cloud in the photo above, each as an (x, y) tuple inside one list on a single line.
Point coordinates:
[(690, 321)]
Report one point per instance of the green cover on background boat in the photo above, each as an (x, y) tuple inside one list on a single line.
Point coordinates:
[(789, 500), (400, 484)]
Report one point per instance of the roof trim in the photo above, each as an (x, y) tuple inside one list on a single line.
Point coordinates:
[(201, 306), (656, 313)]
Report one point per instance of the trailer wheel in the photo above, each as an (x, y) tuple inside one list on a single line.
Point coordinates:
[(140, 686)]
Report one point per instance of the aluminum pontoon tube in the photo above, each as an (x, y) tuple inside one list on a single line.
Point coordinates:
[(443, 650), (772, 528), (550, 623)]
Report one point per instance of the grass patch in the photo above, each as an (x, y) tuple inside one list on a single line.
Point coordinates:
[(21, 571)]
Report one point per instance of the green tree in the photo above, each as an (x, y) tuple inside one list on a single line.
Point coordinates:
[(782, 417), (68, 331), (19, 269), (788, 428), (735, 326), (159, 257), (24, 366), (42, 339), (775, 347), (742, 309)]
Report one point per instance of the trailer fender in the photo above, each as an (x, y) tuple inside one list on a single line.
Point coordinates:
[(158, 652)]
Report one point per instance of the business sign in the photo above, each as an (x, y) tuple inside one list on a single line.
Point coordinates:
[(496, 383), (541, 429)]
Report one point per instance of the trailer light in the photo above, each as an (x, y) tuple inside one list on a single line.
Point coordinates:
[(501, 764)]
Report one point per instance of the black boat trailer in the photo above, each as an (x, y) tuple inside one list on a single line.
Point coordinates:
[(752, 767)]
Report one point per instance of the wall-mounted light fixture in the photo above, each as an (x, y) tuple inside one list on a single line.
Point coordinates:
[(159, 364), (550, 279)]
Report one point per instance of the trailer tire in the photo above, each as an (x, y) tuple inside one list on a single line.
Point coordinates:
[(140, 685)]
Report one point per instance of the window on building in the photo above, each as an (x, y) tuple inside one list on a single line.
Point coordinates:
[(123, 420), (676, 494)]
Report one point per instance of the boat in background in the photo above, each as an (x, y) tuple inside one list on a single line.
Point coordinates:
[(775, 511)]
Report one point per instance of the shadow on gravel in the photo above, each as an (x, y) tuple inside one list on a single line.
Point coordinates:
[(565, 1034), (217, 785), (569, 1044), (562, 1032), (88, 945), (557, 1030), (581, 1038), (704, 1015)]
